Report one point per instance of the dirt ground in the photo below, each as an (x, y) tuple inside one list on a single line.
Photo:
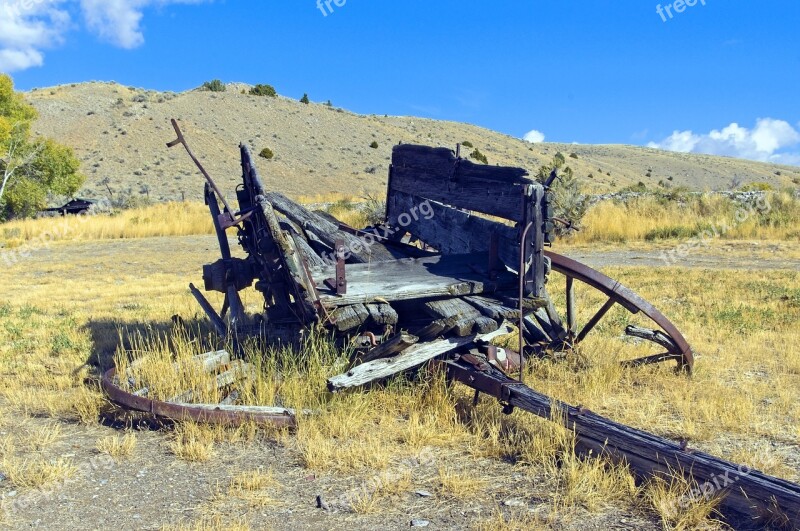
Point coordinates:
[(151, 489)]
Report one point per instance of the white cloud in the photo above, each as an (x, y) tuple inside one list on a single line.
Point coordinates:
[(28, 27), (115, 21), (534, 136), (769, 141)]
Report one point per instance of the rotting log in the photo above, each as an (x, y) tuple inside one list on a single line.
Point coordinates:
[(744, 493)]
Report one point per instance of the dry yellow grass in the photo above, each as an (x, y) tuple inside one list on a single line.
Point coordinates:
[(674, 500), (514, 522), (166, 219), (36, 472), (214, 523), (708, 216), (460, 485), (742, 394), (193, 442), (117, 446)]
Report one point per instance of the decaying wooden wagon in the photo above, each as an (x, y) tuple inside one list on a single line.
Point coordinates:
[(461, 255)]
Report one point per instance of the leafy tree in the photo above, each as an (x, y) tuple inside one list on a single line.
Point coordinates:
[(305, 99), (263, 90), (30, 168)]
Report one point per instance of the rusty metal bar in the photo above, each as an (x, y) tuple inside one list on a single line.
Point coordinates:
[(183, 412)]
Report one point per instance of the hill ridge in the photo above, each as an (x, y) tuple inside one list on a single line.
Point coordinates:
[(120, 134)]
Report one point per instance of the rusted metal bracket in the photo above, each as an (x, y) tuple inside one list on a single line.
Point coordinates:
[(339, 284)]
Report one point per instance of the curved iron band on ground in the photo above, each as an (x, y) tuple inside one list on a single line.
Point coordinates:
[(625, 297), (193, 412)]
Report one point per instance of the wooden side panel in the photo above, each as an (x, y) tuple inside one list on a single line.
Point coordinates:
[(435, 173), (451, 231)]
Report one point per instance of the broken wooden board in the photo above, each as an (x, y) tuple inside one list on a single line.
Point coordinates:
[(394, 346), (382, 314), (259, 410), (238, 370), (468, 319), (347, 318), (411, 278), (329, 233), (492, 308), (412, 357)]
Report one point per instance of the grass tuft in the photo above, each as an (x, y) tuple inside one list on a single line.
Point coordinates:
[(117, 446)]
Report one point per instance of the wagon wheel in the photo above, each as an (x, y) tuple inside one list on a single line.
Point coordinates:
[(545, 326)]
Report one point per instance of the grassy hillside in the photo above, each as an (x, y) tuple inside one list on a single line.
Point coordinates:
[(120, 134)]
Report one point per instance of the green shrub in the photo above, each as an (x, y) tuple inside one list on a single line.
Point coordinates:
[(573, 155), (757, 187), (263, 90), (215, 85), (570, 203), (675, 231), (328, 104), (638, 187), (304, 99), (467, 144), (374, 144), (480, 157), (266, 153)]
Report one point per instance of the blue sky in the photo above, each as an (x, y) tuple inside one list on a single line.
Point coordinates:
[(720, 78)]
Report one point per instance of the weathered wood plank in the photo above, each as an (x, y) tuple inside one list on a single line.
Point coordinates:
[(239, 370), (412, 357), (452, 231), (435, 329), (382, 314), (479, 195), (442, 159), (306, 251), (412, 278), (444, 308), (328, 232), (263, 410), (350, 317), (397, 344), (468, 319), (493, 309)]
